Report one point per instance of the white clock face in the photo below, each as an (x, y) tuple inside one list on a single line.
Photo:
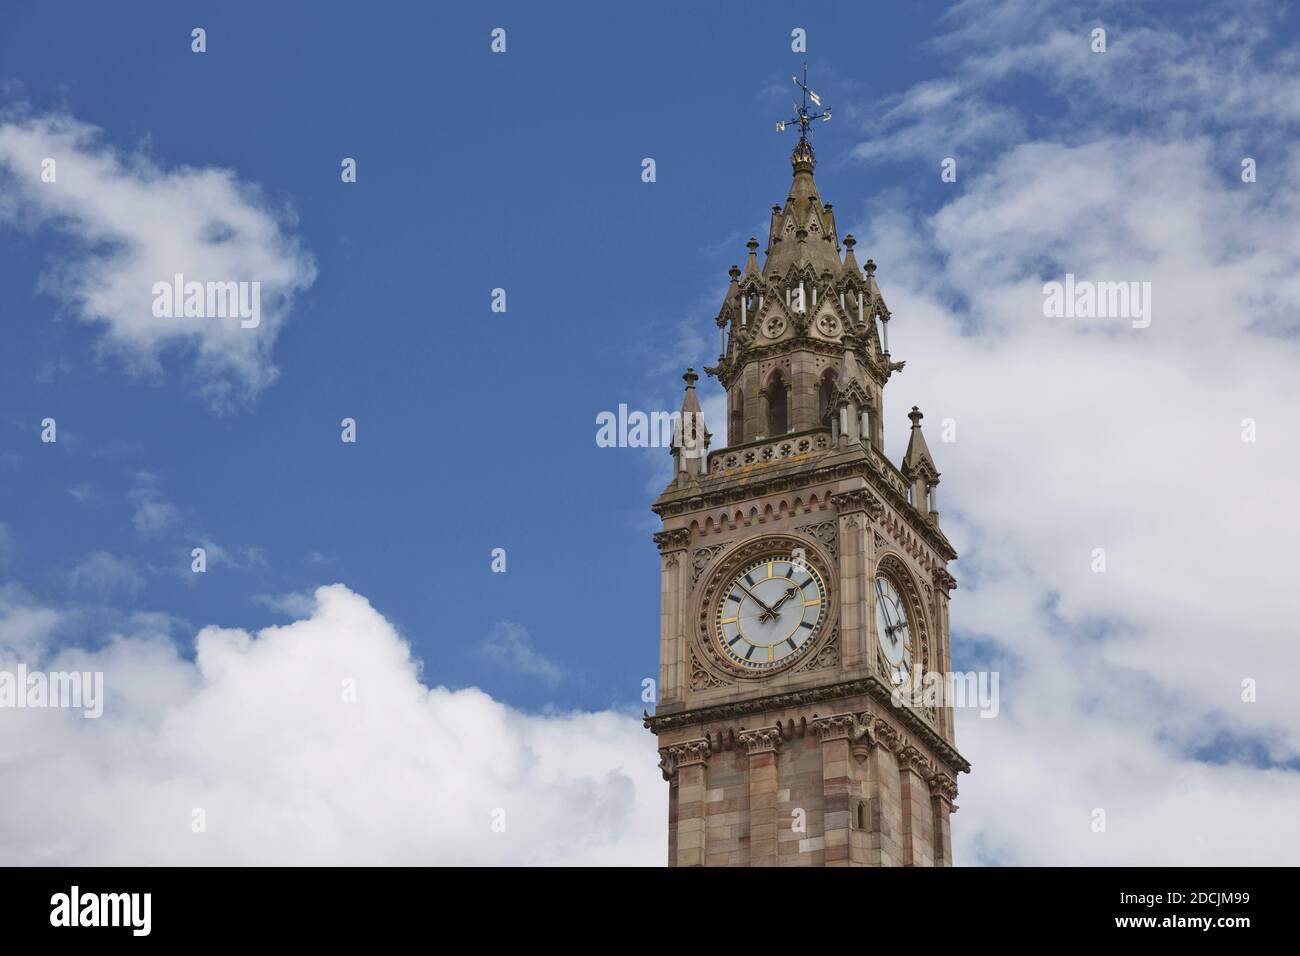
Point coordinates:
[(770, 612), (893, 630)]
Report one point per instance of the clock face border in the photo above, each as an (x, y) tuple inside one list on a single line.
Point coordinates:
[(718, 579), (900, 671), (915, 598)]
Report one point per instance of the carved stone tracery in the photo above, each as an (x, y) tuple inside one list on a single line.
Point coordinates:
[(826, 534), (701, 558), (701, 677)]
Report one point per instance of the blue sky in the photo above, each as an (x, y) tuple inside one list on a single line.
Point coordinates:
[(477, 430), (475, 171)]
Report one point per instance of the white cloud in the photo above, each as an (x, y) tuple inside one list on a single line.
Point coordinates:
[(255, 732), (291, 604), (83, 493), (510, 645), (153, 514), (25, 625), (1217, 66), (105, 575), (1120, 691), (137, 223)]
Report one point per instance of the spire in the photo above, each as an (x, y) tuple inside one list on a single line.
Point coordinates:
[(918, 468), (917, 458), (690, 436), (751, 261), (850, 266), (803, 230)]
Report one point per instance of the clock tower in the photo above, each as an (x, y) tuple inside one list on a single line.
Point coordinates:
[(804, 582)]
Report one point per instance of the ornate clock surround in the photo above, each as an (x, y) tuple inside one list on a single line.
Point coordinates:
[(721, 573), (895, 569)]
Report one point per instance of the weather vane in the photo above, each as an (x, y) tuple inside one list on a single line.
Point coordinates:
[(802, 116)]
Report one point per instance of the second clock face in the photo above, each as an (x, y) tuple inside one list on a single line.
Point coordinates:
[(893, 629), (770, 612)]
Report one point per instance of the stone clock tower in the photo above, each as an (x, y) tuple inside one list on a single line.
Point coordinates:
[(804, 594)]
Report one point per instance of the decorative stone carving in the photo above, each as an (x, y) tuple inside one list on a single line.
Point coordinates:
[(827, 657), (943, 787), (701, 677), (925, 538), (836, 727), (672, 759), (824, 533), (888, 737), (794, 447), (857, 501), (943, 580), (915, 761), (701, 558), (869, 686), (762, 740), (674, 540)]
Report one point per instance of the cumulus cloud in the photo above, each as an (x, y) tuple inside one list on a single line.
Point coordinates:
[(312, 743), (1121, 691), (290, 604), (136, 223)]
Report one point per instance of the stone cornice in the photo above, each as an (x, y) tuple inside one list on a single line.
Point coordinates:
[(699, 497), (880, 731), (730, 367)]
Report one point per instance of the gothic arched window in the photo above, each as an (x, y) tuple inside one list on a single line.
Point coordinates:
[(777, 411)]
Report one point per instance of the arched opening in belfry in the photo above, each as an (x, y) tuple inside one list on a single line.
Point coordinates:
[(778, 412), (826, 396), (737, 435)]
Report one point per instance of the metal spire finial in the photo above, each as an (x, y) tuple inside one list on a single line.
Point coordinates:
[(803, 151)]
